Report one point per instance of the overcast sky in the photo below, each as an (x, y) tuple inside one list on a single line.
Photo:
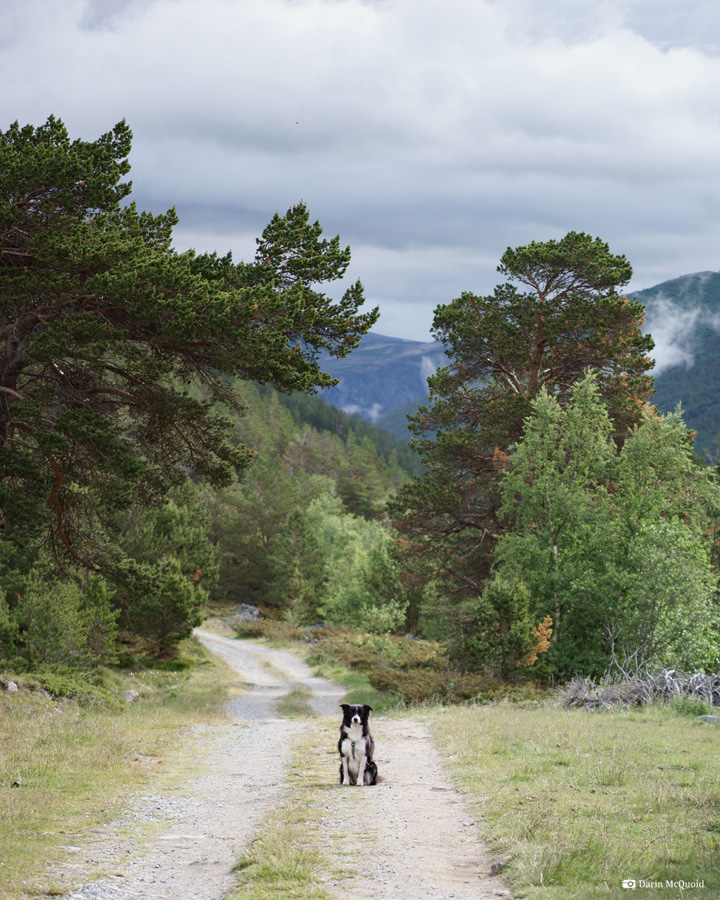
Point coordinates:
[(430, 135)]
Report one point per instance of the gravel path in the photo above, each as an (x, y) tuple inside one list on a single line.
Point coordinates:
[(410, 836), (207, 821), (418, 838)]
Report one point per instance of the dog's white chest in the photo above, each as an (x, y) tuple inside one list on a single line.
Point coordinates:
[(353, 745)]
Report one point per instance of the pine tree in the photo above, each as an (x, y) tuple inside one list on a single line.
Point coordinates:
[(107, 332), (566, 316)]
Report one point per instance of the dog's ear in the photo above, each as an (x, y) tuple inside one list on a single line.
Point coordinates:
[(368, 708), (344, 706)]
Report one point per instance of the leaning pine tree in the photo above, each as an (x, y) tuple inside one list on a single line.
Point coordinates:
[(104, 326), (116, 349), (560, 314)]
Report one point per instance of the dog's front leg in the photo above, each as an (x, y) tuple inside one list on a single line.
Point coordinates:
[(345, 779), (361, 772)]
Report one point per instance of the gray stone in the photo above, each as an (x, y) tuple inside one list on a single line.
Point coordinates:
[(131, 696), (499, 864), (714, 719), (245, 613), (8, 685)]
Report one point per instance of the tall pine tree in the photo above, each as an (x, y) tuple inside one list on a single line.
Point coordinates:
[(560, 314)]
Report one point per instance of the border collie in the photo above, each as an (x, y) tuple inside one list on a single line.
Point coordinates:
[(356, 746)]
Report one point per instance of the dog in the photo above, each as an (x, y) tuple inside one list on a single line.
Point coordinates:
[(356, 746)]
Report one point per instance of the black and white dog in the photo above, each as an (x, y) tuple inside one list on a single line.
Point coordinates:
[(356, 746)]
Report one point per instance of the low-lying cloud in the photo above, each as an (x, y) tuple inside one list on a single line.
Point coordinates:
[(674, 330)]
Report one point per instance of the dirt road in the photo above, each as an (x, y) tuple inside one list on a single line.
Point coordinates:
[(410, 836)]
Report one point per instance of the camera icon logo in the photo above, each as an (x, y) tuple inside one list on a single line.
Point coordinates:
[(629, 884)]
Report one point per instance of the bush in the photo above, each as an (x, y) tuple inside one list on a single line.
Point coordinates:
[(507, 641), (71, 684), (413, 670), (270, 629), (61, 624), (690, 706), (160, 604)]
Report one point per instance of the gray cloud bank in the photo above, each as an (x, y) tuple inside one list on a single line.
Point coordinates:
[(429, 135)]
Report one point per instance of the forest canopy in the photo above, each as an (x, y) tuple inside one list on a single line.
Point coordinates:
[(159, 447)]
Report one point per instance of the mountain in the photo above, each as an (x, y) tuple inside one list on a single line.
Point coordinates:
[(383, 374), (683, 316), (384, 380)]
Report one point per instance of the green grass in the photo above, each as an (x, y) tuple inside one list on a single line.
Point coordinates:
[(66, 768), (286, 860), (581, 801), (296, 703)]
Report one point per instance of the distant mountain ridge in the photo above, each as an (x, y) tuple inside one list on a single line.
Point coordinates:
[(385, 379), (683, 316), (384, 373)]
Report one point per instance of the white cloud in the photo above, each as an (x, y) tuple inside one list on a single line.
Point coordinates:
[(430, 136), (674, 330), (427, 369)]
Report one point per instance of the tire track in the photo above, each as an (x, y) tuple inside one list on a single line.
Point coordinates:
[(207, 821)]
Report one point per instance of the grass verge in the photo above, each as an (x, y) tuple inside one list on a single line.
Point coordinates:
[(581, 801), (296, 703), (66, 768), (286, 860)]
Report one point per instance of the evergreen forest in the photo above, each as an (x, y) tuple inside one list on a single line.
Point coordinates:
[(163, 450)]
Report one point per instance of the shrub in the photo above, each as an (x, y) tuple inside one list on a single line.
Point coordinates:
[(507, 641), (160, 604), (270, 629), (71, 684), (415, 671), (62, 624)]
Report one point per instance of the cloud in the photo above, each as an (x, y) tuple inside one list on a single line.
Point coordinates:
[(429, 137), (427, 369), (371, 412), (674, 330)]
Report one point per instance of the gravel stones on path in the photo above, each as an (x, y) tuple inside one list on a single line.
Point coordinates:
[(411, 836), (208, 820)]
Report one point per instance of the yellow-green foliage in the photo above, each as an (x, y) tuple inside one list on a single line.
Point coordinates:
[(581, 801)]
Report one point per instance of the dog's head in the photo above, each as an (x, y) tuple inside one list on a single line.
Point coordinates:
[(354, 713)]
